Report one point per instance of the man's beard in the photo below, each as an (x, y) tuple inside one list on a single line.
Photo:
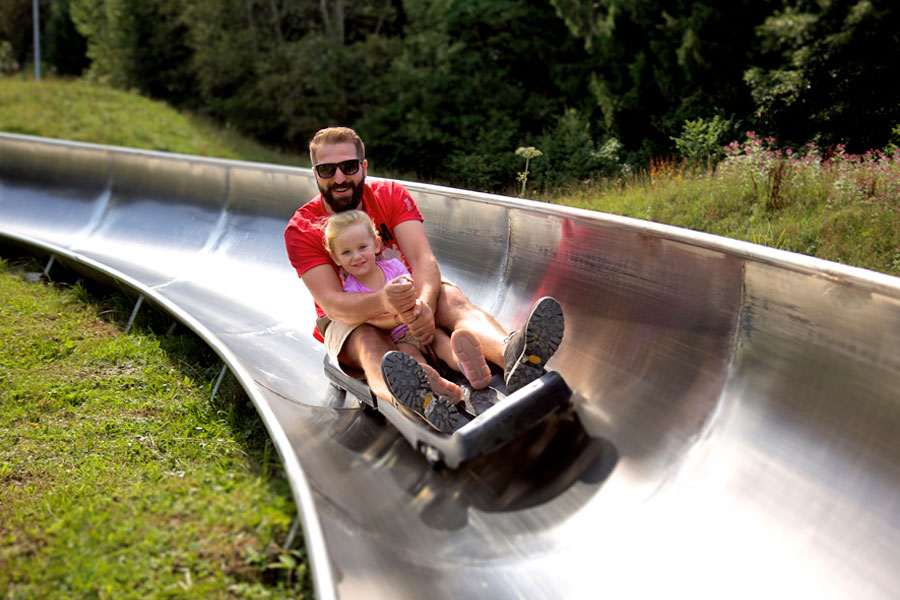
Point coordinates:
[(343, 204)]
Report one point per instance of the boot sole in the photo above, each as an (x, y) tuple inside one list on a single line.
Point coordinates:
[(544, 329), (407, 382)]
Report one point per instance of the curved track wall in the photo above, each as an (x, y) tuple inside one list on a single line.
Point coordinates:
[(736, 421)]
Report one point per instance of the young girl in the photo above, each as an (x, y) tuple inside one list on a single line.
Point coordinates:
[(353, 242)]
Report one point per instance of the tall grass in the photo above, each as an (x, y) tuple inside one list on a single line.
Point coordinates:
[(832, 205), (74, 109)]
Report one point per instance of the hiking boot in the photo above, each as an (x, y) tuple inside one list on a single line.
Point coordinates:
[(470, 358), (527, 350), (408, 383)]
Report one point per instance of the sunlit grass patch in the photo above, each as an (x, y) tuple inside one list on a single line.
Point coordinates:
[(840, 207), (119, 477), (78, 110)]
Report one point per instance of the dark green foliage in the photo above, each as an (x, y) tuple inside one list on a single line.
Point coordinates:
[(161, 57), (282, 74), (447, 90), (138, 44), (570, 153), (829, 73), (465, 92), (662, 63), (63, 47), (16, 28)]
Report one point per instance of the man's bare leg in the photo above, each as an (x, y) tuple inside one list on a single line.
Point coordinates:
[(522, 355), (367, 347), (456, 311), (363, 350)]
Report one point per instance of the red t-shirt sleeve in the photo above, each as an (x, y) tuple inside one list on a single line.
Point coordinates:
[(403, 206), (303, 240)]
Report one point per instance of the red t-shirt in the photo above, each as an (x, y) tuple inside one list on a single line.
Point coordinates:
[(387, 202)]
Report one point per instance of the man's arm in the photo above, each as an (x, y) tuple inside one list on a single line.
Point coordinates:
[(414, 245), (325, 287)]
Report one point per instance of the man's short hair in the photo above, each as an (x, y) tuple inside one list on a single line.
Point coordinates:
[(336, 135)]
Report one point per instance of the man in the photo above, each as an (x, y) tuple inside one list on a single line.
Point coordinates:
[(339, 166)]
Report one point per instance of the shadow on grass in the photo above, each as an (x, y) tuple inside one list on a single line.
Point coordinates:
[(193, 358)]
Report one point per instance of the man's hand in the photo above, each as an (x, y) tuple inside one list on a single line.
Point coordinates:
[(422, 327), (399, 295), (400, 299)]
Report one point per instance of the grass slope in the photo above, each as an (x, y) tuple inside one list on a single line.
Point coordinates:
[(74, 109), (119, 478), (842, 208)]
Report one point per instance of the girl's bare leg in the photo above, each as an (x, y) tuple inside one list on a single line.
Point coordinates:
[(456, 311), (439, 385), (442, 348)]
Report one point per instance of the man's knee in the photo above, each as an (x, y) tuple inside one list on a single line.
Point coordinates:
[(453, 298), (453, 306), (364, 343)]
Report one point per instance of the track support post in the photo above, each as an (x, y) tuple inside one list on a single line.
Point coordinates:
[(137, 307), (49, 266), (218, 383)]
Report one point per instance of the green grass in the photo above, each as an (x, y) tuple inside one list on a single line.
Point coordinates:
[(844, 209), (74, 109), (119, 477)]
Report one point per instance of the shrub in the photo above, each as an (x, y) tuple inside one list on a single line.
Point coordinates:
[(700, 141), (8, 64), (572, 154)]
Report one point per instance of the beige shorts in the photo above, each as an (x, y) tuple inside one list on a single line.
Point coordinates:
[(336, 333)]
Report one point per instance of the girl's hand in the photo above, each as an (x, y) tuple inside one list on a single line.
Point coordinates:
[(399, 295)]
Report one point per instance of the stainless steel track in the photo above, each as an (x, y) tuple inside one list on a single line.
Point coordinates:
[(736, 422)]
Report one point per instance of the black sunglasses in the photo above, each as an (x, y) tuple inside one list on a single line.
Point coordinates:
[(347, 167)]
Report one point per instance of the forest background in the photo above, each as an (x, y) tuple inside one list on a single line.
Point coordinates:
[(445, 91)]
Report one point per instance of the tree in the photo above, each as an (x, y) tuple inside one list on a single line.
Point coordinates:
[(137, 44), (659, 64), (64, 48), (463, 94), (15, 28), (828, 73), (280, 70)]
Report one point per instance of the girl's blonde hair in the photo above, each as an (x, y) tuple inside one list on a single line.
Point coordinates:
[(342, 221)]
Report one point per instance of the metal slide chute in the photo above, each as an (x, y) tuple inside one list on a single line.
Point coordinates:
[(734, 427)]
